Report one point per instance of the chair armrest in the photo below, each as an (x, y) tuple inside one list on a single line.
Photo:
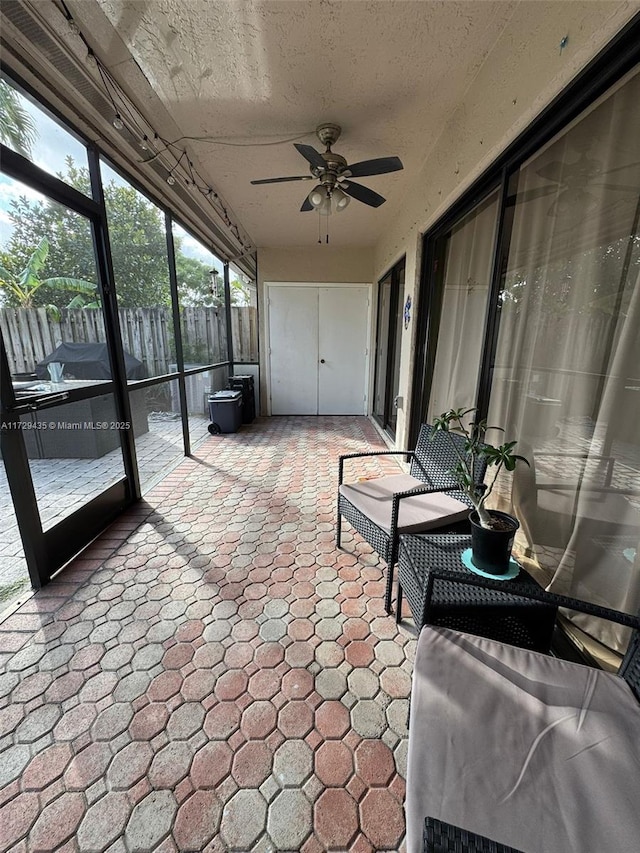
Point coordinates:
[(408, 453)]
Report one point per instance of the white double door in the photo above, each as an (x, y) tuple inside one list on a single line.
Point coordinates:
[(318, 339)]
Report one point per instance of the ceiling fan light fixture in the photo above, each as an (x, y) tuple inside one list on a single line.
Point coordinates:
[(340, 199), (318, 197)]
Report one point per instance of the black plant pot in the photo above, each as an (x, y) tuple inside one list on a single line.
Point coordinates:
[(491, 549)]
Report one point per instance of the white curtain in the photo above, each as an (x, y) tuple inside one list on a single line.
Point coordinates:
[(464, 306), (566, 380)]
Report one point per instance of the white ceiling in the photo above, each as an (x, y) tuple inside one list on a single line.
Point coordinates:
[(390, 73)]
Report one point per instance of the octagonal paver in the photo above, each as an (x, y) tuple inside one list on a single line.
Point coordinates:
[(150, 821), (331, 684), (87, 766), (335, 818), (104, 822), (295, 719), (46, 767), (381, 819), (293, 763), (18, 815), (289, 820), (374, 762), (185, 721), (222, 720), (334, 764), (170, 765), (243, 820), (211, 765), (57, 822), (252, 764), (150, 720), (363, 683), (38, 723), (332, 719), (231, 684), (197, 821), (368, 718), (129, 765), (14, 760), (258, 720), (297, 684)]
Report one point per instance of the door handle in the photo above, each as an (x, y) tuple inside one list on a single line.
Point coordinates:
[(322, 361)]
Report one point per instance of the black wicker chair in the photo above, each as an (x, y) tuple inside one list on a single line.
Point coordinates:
[(432, 463), (440, 837)]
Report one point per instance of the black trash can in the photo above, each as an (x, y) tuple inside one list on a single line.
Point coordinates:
[(244, 383), (225, 411)]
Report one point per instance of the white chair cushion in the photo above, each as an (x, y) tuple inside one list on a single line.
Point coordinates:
[(374, 499), (531, 751)]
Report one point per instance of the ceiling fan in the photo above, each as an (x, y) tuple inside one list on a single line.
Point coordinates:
[(335, 189)]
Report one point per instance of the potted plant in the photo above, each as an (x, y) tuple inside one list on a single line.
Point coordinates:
[(492, 532)]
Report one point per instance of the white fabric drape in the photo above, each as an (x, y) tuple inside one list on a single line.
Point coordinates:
[(567, 371), (464, 306)]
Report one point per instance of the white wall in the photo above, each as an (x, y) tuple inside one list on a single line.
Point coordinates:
[(525, 70)]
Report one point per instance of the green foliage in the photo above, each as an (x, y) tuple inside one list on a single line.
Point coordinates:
[(476, 447), (17, 129), (24, 285), (138, 248)]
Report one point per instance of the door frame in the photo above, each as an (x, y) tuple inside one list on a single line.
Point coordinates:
[(396, 297), (267, 334)]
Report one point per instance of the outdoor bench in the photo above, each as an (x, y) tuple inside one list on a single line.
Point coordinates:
[(538, 754)]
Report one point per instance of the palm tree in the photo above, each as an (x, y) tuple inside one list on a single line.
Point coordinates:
[(17, 128), (27, 282)]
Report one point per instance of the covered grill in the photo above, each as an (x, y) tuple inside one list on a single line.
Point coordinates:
[(88, 361)]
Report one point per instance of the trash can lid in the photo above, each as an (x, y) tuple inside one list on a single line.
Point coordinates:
[(228, 396)]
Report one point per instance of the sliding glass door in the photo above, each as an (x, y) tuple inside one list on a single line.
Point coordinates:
[(566, 373), (531, 313)]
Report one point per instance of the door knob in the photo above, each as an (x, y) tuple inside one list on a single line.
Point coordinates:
[(322, 361)]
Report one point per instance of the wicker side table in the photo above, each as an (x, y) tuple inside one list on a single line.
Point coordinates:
[(442, 837), (496, 615)]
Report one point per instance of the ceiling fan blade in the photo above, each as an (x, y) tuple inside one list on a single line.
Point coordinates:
[(363, 194), (283, 180), (306, 205), (619, 168), (552, 171), (311, 155), (373, 167), (620, 187), (530, 195)]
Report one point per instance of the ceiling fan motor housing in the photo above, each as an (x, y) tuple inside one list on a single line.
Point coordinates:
[(328, 133)]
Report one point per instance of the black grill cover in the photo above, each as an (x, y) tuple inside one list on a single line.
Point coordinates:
[(88, 361)]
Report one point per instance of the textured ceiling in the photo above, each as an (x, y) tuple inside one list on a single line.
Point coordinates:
[(390, 73)]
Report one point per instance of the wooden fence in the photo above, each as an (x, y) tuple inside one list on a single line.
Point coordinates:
[(30, 334)]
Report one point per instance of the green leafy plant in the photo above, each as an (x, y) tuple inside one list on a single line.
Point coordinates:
[(17, 128), (476, 447), (23, 286)]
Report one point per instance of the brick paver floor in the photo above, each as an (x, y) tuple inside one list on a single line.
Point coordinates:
[(212, 674)]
